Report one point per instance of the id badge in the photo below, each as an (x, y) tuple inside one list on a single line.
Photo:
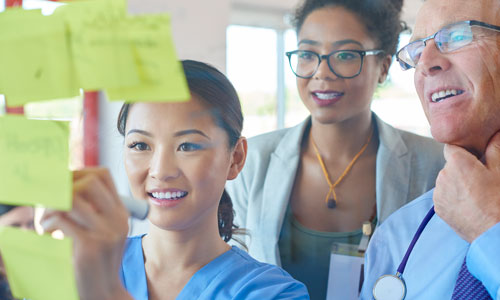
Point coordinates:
[(345, 276)]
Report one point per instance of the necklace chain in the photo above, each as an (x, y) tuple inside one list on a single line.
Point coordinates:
[(332, 203)]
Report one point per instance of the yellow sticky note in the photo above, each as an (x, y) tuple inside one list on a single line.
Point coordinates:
[(161, 74), (38, 267), (102, 55), (34, 58), (34, 158)]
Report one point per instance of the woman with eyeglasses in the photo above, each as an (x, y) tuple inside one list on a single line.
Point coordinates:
[(313, 185)]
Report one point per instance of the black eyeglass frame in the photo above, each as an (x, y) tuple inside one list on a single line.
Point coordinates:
[(405, 66), (362, 54)]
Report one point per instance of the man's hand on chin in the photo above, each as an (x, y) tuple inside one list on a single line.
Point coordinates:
[(467, 193)]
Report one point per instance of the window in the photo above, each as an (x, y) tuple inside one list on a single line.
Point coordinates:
[(251, 67), (397, 102)]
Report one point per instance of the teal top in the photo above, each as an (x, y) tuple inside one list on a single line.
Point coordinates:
[(305, 253)]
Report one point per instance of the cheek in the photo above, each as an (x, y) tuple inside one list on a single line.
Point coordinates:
[(209, 173), (365, 84), (136, 169)]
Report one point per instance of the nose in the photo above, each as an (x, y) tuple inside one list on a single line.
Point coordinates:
[(431, 60), (163, 165), (323, 72)]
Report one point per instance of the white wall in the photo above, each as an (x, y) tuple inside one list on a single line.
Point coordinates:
[(199, 26)]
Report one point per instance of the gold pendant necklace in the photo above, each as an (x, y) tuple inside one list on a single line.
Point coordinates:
[(332, 202)]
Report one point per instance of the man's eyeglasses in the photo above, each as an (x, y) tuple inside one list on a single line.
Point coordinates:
[(449, 38), (343, 63)]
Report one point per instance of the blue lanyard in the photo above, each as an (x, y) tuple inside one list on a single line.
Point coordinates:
[(420, 229)]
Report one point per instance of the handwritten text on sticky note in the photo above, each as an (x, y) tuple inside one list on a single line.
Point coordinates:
[(34, 158)]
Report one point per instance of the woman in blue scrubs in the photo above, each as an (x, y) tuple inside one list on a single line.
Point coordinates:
[(178, 157)]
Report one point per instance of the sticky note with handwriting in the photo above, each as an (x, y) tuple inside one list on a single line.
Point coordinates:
[(34, 58), (38, 267), (34, 159), (101, 52), (161, 74)]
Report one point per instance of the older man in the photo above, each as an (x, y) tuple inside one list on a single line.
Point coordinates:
[(455, 51)]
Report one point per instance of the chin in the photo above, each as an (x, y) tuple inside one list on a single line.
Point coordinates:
[(474, 144)]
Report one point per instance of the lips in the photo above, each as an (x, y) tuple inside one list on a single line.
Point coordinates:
[(166, 197), (443, 94), (326, 97)]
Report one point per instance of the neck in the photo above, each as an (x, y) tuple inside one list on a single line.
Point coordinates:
[(346, 138), (181, 250)]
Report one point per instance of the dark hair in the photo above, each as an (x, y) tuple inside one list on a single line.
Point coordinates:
[(218, 94), (380, 17)]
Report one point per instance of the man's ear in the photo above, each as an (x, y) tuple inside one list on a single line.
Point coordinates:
[(385, 65), (239, 155)]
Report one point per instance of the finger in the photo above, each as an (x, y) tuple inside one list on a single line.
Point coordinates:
[(492, 152), (91, 189), (83, 213), (61, 222), (101, 173), (458, 158)]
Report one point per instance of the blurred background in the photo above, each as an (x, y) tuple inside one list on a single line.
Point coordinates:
[(246, 39)]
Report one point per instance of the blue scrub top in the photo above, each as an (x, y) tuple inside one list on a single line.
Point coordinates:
[(232, 275)]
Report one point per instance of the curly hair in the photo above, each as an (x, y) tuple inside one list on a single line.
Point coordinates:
[(219, 95), (381, 18)]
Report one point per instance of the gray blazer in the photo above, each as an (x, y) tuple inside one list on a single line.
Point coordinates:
[(407, 166)]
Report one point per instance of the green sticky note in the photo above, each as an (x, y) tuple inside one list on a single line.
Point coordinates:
[(35, 58), (38, 267), (102, 55), (161, 74), (34, 159)]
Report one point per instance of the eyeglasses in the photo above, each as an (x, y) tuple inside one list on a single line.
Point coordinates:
[(449, 38), (342, 63)]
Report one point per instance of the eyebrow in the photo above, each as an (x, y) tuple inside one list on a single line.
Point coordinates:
[(190, 131), (336, 44), (139, 131), (177, 134)]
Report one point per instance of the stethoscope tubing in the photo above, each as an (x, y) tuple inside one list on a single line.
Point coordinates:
[(420, 229)]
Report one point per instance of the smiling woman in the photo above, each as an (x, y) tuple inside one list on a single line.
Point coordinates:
[(178, 157)]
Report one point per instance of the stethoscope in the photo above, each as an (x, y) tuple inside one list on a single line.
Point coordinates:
[(393, 287)]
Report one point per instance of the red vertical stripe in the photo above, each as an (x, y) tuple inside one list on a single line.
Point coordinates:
[(20, 109), (91, 129), (10, 3), (91, 117)]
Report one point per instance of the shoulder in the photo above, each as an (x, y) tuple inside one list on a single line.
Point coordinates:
[(388, 134), (426, 151), (135, 240), (284, 143), (267, 143), (244, 262), (257, 280), (416, 143), (133, 249), (402, 224)]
